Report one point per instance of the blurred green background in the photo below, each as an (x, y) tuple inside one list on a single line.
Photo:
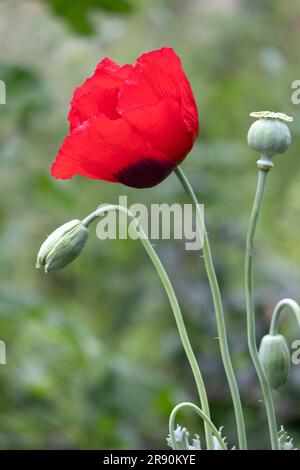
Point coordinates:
[(93, 355)]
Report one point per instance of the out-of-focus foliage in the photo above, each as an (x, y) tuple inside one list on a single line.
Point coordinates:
[(77, 13), (93, 355)]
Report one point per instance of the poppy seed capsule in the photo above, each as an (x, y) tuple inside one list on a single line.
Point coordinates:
[(269, 135), (62, 246), (275, 358)]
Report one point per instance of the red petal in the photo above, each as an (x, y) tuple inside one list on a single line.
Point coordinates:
[(157, 75), (99, 93), (163, 127), (112, 151)]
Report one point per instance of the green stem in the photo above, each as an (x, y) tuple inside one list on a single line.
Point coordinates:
[(294, 307), (208, 260), (174, 304), (205, 418), (267, 393)]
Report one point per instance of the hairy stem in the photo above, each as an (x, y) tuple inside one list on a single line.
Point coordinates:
[(174, 304), (266, 389), (213, 281)]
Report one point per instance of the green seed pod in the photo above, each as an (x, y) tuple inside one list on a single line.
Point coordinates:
[(269, 135), (275, 358), (62, 246)]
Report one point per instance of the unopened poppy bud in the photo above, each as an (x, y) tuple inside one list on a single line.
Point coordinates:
[(269, 135), (62, 246), (275, 358)]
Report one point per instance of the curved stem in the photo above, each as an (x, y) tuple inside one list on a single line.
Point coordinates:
[(202, 415), (213, 281), (173, 301), (294, 307), (267, 393)]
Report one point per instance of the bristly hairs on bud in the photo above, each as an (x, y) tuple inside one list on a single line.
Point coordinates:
[(285, 441), (182, 439), (180, 436)]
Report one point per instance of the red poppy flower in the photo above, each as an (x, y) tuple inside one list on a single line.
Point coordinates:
[(130, 124)]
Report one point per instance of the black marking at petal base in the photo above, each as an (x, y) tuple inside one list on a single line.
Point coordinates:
[(145, 173)]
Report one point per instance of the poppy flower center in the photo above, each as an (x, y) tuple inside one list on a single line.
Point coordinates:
[(144, 173)]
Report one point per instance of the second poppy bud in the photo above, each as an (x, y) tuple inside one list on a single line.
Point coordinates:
[(275, 358)]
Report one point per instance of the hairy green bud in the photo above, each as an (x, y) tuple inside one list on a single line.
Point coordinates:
[(275, 358), (62, 246)]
